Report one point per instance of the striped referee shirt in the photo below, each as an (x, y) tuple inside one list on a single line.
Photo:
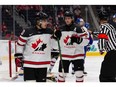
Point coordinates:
[(107, 37)]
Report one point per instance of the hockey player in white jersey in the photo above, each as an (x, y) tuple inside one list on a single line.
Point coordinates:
[(34, 49), (72, 43)]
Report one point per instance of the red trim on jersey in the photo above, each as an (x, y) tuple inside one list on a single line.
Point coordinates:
[(19, 44), (22, 40), (83, 35), (102, 36), (72, 56), (36, 63), (77, 36)]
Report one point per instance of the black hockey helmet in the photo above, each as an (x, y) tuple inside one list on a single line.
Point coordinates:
[(41, 16), (68, 14), (103, 15)]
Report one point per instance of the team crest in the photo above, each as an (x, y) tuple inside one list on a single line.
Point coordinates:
[(39, 45), (67, 40)]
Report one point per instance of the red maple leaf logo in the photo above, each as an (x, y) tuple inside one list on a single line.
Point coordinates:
[(35, 44), (66, 39)]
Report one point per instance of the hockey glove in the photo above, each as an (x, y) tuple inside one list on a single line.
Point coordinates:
[(75, 39), (58, 34), (18, 59), (54, 54)]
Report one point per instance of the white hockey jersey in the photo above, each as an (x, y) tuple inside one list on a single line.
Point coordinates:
[(36, 47), (72, 51)]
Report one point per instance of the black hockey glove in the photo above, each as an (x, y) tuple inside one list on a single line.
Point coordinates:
[(58, 34), (18, 59), (54, 54), (77, 40)]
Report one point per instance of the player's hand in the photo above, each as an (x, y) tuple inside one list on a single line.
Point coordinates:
[(18, 59), (76, 39), (73, 39), (58, 33)]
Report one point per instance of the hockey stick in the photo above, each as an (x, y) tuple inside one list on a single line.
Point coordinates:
[(61, 57)]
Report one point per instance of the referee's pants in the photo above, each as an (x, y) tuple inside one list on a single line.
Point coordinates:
[(108, 67)]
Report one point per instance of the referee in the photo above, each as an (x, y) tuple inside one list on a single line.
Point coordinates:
[(107, 42)]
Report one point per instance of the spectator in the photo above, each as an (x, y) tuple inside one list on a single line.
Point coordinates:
[(77, 12), (4, 29)]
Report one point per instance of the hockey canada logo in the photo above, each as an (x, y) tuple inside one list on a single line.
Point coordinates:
[(67, 40), (43, 46), (39, 45)]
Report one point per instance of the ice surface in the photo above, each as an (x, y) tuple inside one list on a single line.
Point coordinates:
[(92, 67)]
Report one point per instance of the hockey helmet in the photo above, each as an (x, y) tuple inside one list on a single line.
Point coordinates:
[(41, 16), (103, 15), (87, 25), (79, 20), (68, 14)]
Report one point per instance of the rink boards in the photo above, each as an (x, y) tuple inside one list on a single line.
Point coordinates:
[(4, 49), (94, 51)]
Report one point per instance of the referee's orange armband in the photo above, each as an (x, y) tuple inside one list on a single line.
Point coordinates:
[(102, 36)]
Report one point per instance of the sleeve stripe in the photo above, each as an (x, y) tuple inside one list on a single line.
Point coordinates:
[(83, 35), (21, 39), (80, 35)]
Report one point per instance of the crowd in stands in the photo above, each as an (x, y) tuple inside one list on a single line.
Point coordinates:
[(8, 24), (110, 9), (27, 12), (55, 12)]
